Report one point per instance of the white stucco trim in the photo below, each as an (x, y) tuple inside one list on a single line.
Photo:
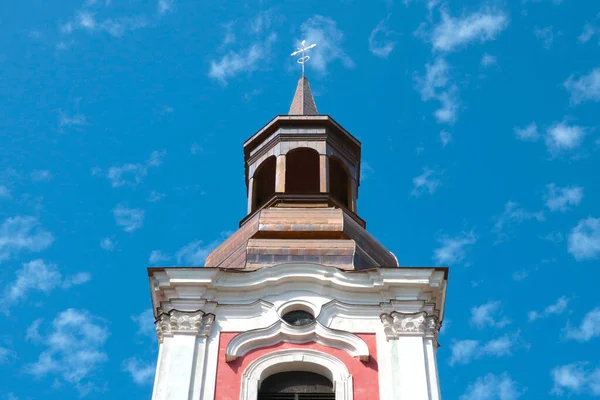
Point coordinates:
[(297, 360), (279, 332)]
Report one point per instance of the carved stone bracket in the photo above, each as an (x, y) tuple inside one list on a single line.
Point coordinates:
[(184, 322), (397, 324)]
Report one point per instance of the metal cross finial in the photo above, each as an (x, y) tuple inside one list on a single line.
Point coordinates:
[(302, 60)]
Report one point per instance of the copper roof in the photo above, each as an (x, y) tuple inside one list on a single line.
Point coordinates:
[(303, 103)]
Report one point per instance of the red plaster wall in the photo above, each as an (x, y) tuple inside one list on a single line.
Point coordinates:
[(364, 375)]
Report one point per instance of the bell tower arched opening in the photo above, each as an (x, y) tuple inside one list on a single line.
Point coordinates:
[(302, 171), (339, 182), (264, 182), (296, 385)]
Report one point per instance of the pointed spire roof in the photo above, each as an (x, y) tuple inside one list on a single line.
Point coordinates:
[(303, 103)]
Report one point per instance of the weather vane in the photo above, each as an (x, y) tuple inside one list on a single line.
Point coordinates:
[(302, 60)]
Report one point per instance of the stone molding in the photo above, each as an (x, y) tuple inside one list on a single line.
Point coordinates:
[(297, 360), (183, 322), (280, 331), (397, 324)]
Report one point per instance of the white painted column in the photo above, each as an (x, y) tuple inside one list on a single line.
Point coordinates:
[(413, 364), (180, 369)]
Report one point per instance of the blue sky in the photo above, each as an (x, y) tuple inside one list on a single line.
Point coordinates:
[(121, 147)]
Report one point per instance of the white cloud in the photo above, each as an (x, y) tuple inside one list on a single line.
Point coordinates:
[(39, 276), (74, 349), (4, 192), (583, 88), (86, 20), (22, 233), (481, 26), (528, 133), (488, 314), (365, 171), (130, 219), (488, 59), (445, 138), (245, 60), (492, 387), (452, 250), (195, 253), (584, 239), (76, 120), (546, 35), (324, 32), (520, 275), (155, 196), (575, 378), (141, 372), (427, 182), (562, 137), (465, 351), (157, 257), (561, 198), (380, 39), (107, 244), (588, 329), (436, 85), (589, 31), (40, 175), (145, 323), (165, 6), (131, 174), (512, 215), (553, 309), (5, 355)]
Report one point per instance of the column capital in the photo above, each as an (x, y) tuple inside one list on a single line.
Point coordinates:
[(196, 323), (397, 324)]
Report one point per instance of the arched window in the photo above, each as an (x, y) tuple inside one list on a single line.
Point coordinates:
[(296, 385), (264, 182), (302, 171), (338, 181)]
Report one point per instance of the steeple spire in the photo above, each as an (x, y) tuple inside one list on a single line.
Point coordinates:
[(303, 103)]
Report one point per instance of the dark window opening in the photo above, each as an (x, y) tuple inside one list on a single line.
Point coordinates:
[(296, 385), (302, 172), (298, 318), (338, 182), (264, 182)]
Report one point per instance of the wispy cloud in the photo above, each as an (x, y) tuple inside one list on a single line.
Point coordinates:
[(141, 372), (157, 257), (588, 329), (584, 87), (465, 351), (4, 192), (576, 378), (39, 276), (130, 174), (107, 244), (553, 309), (74, 349), (145, 324), (488, 314), (584, 239), (488, 60), (130, 219), (22, 234), (589, 31), (562, 137), (6, 355), (512, 215), (445, 138), (329, 38), (436, 85), (453, 249), (381, 39), (195, 253), (87, 21), (546, 35), (165, 6), (454, 33), (155, 196), (528, 133), (71, 121), (40, 175), (427, 182), (562, 198), (492, 387)]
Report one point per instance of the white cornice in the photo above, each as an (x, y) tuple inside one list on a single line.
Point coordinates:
[(281, 332)]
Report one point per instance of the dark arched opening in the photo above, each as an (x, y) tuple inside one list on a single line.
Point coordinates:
[(338, 181), (296, 385), (302, 171), (264, 182)]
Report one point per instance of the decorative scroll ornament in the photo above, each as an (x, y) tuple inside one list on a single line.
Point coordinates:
[(184, 322), (398, 324)]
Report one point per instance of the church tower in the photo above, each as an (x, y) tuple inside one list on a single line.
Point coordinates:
[(301, 302)]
